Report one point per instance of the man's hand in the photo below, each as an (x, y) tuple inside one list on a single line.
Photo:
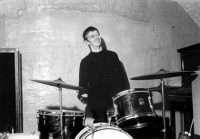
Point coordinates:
[(82, 97)]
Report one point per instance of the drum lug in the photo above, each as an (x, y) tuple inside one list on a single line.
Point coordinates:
[(66, 130), (109, 114), (83, 121), (150, 104), (44, 117), (74, 118)]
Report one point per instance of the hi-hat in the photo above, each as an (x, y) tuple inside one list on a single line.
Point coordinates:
[(162, 74), (60, 83)]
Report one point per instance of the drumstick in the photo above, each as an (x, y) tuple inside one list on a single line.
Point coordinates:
[(189, 134)]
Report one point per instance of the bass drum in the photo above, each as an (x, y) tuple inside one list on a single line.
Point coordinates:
[(49, 122), (102, 131)]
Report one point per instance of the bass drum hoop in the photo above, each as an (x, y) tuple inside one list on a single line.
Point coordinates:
[(83, 134)]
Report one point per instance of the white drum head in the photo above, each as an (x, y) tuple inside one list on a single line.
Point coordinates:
[(103, 131)]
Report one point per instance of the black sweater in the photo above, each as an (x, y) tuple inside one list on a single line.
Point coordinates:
[(103, 75)]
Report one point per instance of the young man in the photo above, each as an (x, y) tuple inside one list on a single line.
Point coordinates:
[(102, 74)]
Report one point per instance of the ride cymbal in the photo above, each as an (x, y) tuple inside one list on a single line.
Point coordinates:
[(162, 74)]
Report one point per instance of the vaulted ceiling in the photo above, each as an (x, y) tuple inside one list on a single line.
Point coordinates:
[(134, 9), (192, 7)]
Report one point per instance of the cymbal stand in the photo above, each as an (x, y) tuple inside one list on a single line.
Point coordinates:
[(163, 108), (61, 111)]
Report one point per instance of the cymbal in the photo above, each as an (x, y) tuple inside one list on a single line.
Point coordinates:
[(166, 87), (60, 83), (162, 74)]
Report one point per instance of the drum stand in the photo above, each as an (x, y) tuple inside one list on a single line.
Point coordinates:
[(163, 107), (59, 83), (160, 75), (61, 111)]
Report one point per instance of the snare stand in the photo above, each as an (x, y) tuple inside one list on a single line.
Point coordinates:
[(61, 111)]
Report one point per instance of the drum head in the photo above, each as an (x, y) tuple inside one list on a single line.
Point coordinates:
[(102, 131), (72, 113), (57, 112), (128, 92), (46, 112)]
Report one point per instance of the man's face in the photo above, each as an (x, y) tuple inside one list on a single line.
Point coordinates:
[(94, 38)]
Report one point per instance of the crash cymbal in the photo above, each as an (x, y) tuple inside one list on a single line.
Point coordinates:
[(166, 87), (60, 83), (162, 74)]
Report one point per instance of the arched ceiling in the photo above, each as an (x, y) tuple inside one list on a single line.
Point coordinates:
[(134, 9), (192, 7)]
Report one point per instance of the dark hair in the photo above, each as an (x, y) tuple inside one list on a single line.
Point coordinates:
[(103, 44), (87, 30)]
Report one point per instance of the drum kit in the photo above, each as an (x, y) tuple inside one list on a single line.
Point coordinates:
[(45, 117), (133, 110)]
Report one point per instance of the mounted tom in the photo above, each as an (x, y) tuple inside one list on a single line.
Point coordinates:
[(134, 108)]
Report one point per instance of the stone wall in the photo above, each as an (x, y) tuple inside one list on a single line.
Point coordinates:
[(145, 34)]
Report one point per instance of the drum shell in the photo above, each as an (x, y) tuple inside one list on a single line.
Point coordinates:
[(133, 105), (49, 122), (154, 130)]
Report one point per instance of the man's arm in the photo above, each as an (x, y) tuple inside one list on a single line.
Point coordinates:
[(83, 82)]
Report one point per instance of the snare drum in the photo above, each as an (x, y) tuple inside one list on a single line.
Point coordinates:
[(102, 131), (49, 122), (134, 108)]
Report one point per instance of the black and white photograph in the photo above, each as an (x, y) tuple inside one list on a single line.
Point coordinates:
[(99, 69)]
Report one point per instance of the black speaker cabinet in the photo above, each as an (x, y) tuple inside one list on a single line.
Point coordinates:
[(11, 113)]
